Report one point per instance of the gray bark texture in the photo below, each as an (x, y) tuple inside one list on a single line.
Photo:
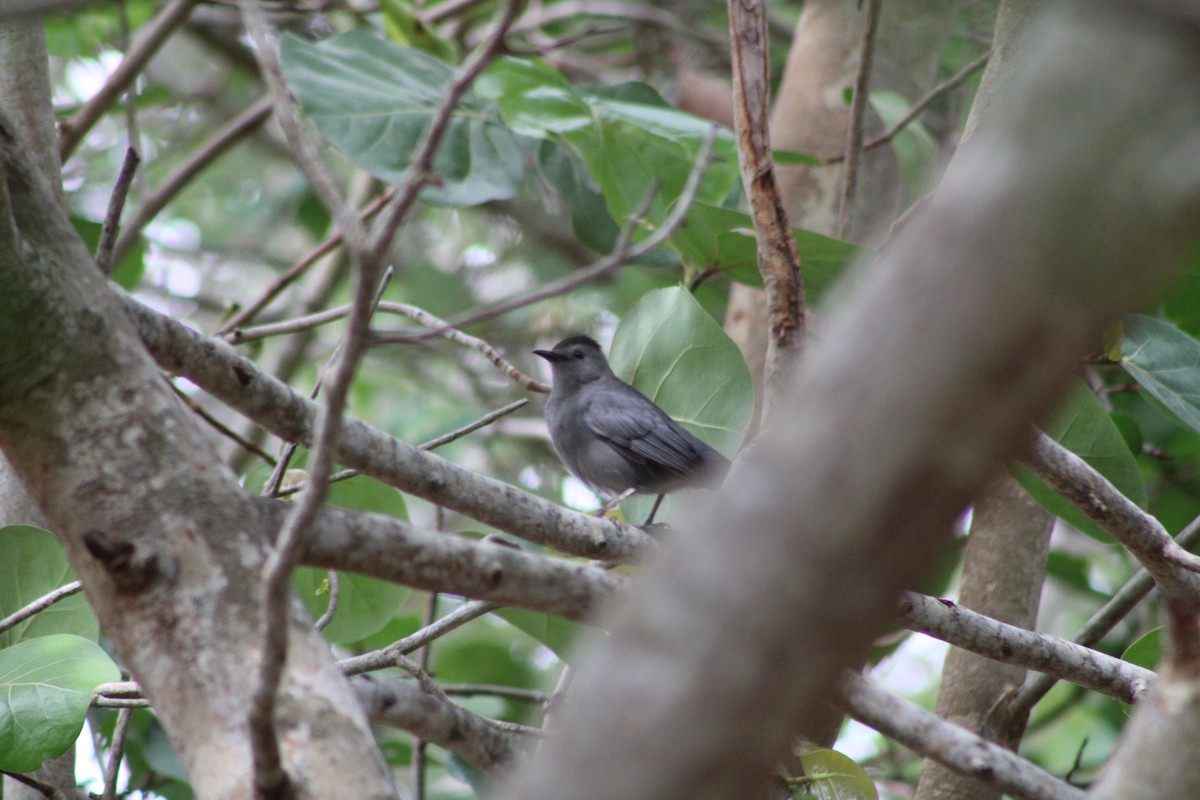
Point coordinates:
[(1066, 209), (154, 525)]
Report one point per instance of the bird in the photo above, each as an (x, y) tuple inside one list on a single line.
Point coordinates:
[(614, 438)]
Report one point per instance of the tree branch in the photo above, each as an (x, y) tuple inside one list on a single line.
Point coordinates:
[(150, 39), (1009, 644), (950, 745), (236, 381), (399, 703), (1173, 568), (150, 205), (778, 260), (858, 107)]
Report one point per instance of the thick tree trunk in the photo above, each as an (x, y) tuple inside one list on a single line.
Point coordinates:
[(1003, 571), (156, 528), (921, 384)]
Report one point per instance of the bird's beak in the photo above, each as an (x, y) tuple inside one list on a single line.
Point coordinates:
[(549, 355)]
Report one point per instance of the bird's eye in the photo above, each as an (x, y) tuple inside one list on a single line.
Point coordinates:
[(578, 354)]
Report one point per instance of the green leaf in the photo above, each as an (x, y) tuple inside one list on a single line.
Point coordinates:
[(1165, 362), (365, 605), (1084, 427), (405, 26), (630, 141), (556, 633), (723, 238), (478, 661), (830, 775), (45, 689), (129, 270), (914, 145), (534, 99), (788, 158), (672, 351), (33, 564), (374, 100), (1146, 651), (1181, 300)]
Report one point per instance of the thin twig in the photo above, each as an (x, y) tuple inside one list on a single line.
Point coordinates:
[(423, 659), (778, 259), (386, 657), (624, 251), (1103, 621), (299, 139), (41, 604), (858, 105), (153, 35), (46, 789), (288, 449), (332, 242), (486, 419), (112, 217), (419, 174), (507, 692), (335, 593), (432, 444), (221, 427), (154, 202), (931, 97), (269, 776), (116, 752), (439, 326)]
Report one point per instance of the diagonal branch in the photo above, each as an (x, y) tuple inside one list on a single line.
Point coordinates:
[(238, 382), (957, 748), (151, 38), (1010, 644), (1174, 569), (778, 260)]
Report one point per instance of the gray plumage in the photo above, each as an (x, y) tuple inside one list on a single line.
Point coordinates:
[(614, 438)]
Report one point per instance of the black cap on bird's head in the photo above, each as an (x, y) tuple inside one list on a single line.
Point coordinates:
[(577, 359)]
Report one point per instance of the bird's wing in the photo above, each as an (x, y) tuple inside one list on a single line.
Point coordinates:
[(634, 425)]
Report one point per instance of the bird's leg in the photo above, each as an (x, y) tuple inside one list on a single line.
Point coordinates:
[(615, 501), (653, 511)]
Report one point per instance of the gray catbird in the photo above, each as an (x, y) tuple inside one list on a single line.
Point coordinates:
[(614, 438)]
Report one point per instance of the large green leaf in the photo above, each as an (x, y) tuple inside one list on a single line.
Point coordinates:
[(1165, 361), (1181, 300), (556, 633), (365, 605), (1146, 651), (1083, 426), (33, 564), (374, 99), (672, 351), (723, 239), (914, 146), (45, 689), (629, 140)]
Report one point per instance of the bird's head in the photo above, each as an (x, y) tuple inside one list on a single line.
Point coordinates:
[(575, 361)]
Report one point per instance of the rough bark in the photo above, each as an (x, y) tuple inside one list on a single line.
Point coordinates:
[(904, 407), (1003, 571), (151, 522)]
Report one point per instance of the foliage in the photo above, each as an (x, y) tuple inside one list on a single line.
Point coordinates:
[(548, 158)]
